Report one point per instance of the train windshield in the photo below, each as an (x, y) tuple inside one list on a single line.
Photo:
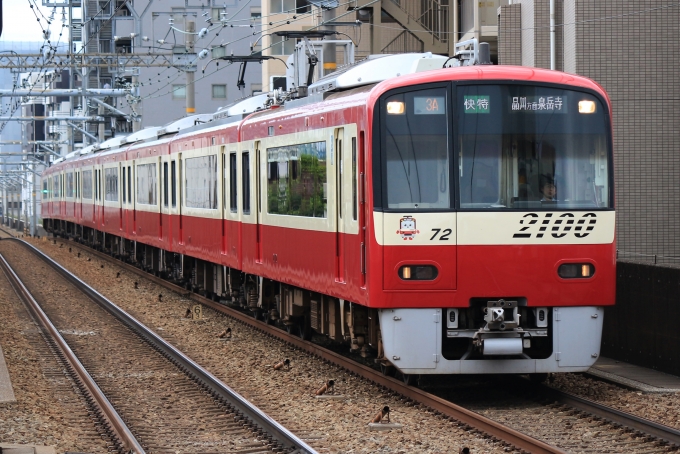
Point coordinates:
[(495, 147), (531, 147)]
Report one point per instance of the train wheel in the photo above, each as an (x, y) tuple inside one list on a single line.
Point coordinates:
[(387, 369), (410, 379), (304, 329)]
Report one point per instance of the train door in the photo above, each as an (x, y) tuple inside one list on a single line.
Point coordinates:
[(162, 199), (340, 209), (224, 158), (132, 169), (258, 202), (166, 225), (121, 169), (180, 197), (358, 200)]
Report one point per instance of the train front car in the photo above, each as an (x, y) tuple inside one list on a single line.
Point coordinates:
[(493, 220)]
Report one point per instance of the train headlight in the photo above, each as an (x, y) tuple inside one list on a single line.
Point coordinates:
[(576, 270), (586, 107), (418, 272), (395, 107)]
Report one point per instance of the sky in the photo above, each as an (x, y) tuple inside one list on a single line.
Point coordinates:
[(20, 24)]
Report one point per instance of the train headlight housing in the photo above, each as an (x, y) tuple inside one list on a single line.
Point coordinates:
[(576, 270), (396, 107), (586, 107), (418, 272)]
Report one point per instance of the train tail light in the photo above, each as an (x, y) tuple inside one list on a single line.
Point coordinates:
[(418, 272), (576, 270)]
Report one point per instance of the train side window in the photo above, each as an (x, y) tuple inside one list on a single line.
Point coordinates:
[(173, 176), (355, 208), (165, 184), (233, 196), (245, 179), (129, 185), (123, 187)]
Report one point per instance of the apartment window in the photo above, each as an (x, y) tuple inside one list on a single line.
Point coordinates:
[(255, 12), (179, 91), (282, 46), (215, 13), (289, 6), (219, 91)]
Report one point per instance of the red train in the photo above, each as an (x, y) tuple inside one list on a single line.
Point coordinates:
[(447, 221)]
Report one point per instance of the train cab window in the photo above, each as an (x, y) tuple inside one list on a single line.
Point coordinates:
[(173, 176), (233, 197), (245, 180), (528, 147), (415, 150)]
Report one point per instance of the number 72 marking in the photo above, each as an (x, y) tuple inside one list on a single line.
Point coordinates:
[(443, 237)]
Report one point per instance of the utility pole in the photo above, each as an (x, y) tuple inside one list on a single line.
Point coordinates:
[(190, 93)]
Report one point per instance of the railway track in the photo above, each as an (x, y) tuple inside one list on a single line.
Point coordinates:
[(643, 434), (144, 402)]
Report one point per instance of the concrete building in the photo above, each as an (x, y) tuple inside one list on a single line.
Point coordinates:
[(145, 26), (631, 49), (376, 27)]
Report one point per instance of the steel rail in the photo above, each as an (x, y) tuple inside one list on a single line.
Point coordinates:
[(108, 412), (497, 430), (665, 433), (283, 436)]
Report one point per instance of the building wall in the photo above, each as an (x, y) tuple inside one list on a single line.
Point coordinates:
[(631, 49), (635, 55), (510, 35), (159, 105)]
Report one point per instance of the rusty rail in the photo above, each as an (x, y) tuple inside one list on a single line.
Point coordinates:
[(108, 413)]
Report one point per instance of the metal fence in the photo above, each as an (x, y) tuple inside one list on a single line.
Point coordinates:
[(643, 328)]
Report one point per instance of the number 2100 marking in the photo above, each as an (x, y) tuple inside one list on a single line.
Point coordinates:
[(443, 237)]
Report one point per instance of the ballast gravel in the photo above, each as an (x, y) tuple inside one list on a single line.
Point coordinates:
[(245, 363)]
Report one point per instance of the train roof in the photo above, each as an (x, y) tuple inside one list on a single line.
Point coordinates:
[(354, 84)]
